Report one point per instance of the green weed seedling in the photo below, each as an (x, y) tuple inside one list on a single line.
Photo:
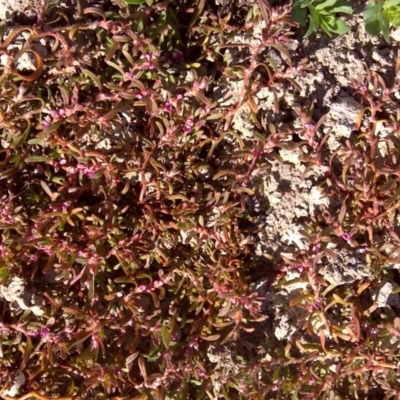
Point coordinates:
[(321, 13), (380, 16)]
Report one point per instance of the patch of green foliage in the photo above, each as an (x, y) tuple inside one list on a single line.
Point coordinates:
[(321, 14), (381, 15)]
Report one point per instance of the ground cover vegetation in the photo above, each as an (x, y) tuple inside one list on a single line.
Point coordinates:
[(131, 207)]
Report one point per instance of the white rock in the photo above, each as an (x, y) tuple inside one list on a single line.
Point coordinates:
[(317, 197), (7, 7), (292, 235), (345, 110), (19, 381), (395, 35), (383, 295), (16, 292), (348, 267), (284, 330)]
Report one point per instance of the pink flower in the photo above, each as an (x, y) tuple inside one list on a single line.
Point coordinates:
[(188, 126), (346, 237), (195, 86), (194, 344), (316, 247), (128, 76), (45, 334), (315, 306), (92, 171), (299, 268), (143, 288), (142, 94), (89, 171), (309, 127), (256, 153), (3, 251), (204, 111), (168, 106), (148, 63)]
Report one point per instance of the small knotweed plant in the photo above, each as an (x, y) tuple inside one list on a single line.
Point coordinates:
[(127, 219)]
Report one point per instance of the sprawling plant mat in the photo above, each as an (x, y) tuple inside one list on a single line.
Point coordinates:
[(197, 202)]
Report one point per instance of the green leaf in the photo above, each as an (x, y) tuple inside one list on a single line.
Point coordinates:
[(391, 3), (276, 373), (90, 291), (95, 78), (340, 27), (325, 13), (4, 274), (166, 336), (330, 20), (18, 140), (314, 22), (373, 9), (342, 6), (385, 25), (184, 392), (397, 290), (27, 352), (325, 4), (326, 25), (373, 27), (344, 10), (395, 21), (314, 18), (197, 12), (373, 15), (302, 3), (37, 159), (394, 16), (299, 15), (51, 128)]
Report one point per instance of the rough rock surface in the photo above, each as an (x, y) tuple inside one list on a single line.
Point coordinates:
[(17, 294)]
